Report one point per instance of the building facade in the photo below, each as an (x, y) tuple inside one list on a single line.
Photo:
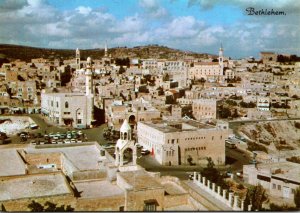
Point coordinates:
[(182, 141)]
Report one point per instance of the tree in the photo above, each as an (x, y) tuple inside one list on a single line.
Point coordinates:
[(225, 113), (121, 70), (213, 174), (255, 196), (297, 197)]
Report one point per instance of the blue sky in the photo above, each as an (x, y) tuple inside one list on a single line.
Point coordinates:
[(195, 25)]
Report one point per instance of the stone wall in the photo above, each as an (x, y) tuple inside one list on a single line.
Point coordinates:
[(88, 175), (100, 204), (175, 200), (135, 200)]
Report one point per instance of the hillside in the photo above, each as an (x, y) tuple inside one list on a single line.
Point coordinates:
[(25, 53), (279, 135)]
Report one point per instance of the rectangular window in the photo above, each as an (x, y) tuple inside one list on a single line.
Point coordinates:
[(274, 186), (279, 187), (79, 121)]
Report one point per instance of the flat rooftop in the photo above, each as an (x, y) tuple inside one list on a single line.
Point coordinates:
[(34, 186), (286, 170), (179, 125), (96, 189), (83, 156), (173, 189), (11, 163), (140, 180)]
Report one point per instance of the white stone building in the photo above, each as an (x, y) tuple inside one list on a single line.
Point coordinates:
[(207, 69), (75, 109), (183, 141), (204, 108)]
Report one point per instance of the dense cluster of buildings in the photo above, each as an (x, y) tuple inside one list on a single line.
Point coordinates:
[(176, 109)]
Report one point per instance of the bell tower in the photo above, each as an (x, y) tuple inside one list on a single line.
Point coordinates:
[(125, 142), (77, 59)]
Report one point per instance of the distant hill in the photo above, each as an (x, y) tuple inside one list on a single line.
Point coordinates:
[(12, 52)]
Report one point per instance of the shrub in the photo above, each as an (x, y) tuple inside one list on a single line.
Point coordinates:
[(256, 147)]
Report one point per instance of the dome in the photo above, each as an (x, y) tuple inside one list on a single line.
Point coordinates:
[(125, 126), (89, 60)]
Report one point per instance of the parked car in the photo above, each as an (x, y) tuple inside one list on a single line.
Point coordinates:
[(67, 141), (145, 152)]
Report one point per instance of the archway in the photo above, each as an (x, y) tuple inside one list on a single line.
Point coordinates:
[(127, 156)]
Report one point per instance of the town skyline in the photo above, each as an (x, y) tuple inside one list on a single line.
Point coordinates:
[(197, 26)]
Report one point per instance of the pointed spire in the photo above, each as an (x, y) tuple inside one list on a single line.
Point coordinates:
[(105, 49), (125, 126)]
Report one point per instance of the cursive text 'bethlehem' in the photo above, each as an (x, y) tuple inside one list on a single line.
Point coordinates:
[(263, 12)]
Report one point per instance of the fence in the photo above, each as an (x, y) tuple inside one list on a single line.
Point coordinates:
[(228, 198)]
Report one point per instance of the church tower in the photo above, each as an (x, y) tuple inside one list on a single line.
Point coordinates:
[(77, 59), (105, 50), (124, 143), (221, 63), (89, 91)]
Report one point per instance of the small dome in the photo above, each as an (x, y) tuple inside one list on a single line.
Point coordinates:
[(125, 126), (89, 60)]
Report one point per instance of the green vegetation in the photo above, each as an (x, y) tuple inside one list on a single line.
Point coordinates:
[(252, 146), (294, 159), (255, 196), (48, 207), (24, 53), (224, 112), (284, 207), (231, 102), (213, 174), (247, 105), (297, 197)]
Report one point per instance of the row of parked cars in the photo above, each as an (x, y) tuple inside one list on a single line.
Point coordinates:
[(61, 138), (67, 135)]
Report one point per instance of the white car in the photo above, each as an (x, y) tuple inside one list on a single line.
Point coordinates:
[(67, 141)]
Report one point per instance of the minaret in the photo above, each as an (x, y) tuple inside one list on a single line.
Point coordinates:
[(105, 50), (221, 60), (89, 91), (88, 77), (77, 59)]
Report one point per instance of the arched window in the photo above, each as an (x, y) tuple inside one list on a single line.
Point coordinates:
[(66, 104)]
